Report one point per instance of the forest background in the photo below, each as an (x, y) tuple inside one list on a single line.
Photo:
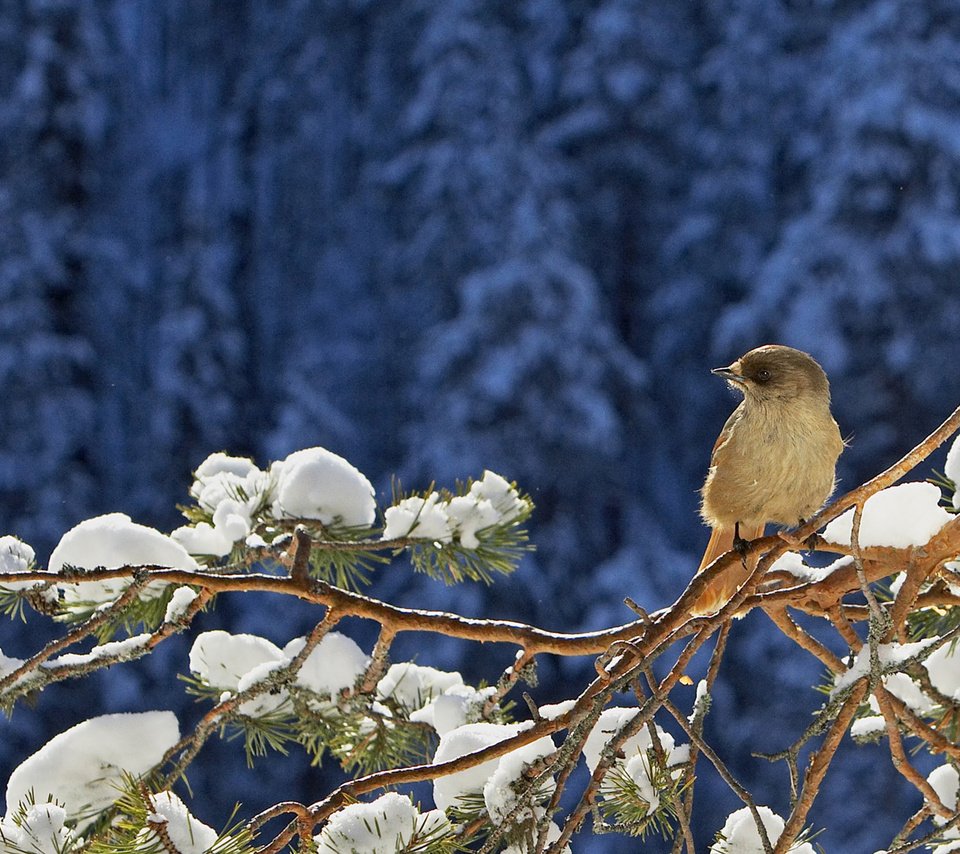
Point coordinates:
[(439, 237)]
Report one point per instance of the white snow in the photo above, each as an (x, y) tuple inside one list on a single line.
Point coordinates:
[(413, 685), (867, 726), (952, 469), (469, 515), (16, 556), (221, 476), (741, 836), (384, 826), (946, 783), (943, 665), (317, 484), (904, 688), (111, 542), (499, 795), (611, 721), (40, 830), (234, 663), (793, 563), (237, 662), (490, 501), (419, 518), (456, 706), (179, 602), (498, 491), (553, 711), (336, 663), (221, 659), (187, 833), (901, 516), (470, 738), (888, 654), (231, 489), (104, 650), (82, 767)]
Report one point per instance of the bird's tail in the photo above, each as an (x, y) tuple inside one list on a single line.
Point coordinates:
[(723, 586)]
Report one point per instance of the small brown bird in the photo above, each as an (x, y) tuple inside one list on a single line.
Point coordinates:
[(774, 461)]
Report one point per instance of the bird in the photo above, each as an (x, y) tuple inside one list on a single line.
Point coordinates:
[(774, 461)]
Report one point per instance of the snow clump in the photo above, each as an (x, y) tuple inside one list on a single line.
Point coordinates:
[(38, 829), (234, 663), (741, 836), (113, 541), (637, 751), (310, 484), (82, 768), (188, 835), (945, 781), (317, 484), (388, 824), (900, 516), (489, 502), (484, 778)]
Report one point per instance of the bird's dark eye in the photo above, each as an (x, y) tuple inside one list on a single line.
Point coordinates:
[(763, 375)]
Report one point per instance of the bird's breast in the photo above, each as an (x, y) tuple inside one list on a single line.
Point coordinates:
[(772, 467)]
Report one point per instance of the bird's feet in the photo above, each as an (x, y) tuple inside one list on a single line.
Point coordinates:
[(740, 545)]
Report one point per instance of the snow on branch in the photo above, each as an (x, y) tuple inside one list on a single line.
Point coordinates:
[(308, 526)]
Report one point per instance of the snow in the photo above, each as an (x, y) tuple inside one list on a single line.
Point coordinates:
[(110, 649), (413, 685), (222, 477), (552, 711), (221, 659), (499, 795), (383, 826), (888, 654), (945, 781), (419, 518), (469, 515), (111, 542), (179, 603), (456, 706), (317, 484), (951, 469), (188, 835), (234, 663), (335, 664), (611, 721), (498, 491), (943, 665), (867, 726), (311, 484), (490, 501), (231, 489), (741, 836), (470, 738), (16, 556), (40, 830), (904, 688), (82, 767), (901, 516), (792, 562), (238, 662)]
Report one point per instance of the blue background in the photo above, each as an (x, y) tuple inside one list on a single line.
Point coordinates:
[(438, 237)]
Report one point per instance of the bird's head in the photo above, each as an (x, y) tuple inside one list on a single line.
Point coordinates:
[(776, 372)]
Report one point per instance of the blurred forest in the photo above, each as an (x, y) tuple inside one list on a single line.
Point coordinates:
[(438, 237)]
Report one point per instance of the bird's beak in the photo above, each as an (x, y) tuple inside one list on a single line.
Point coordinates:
[(730, 374)]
